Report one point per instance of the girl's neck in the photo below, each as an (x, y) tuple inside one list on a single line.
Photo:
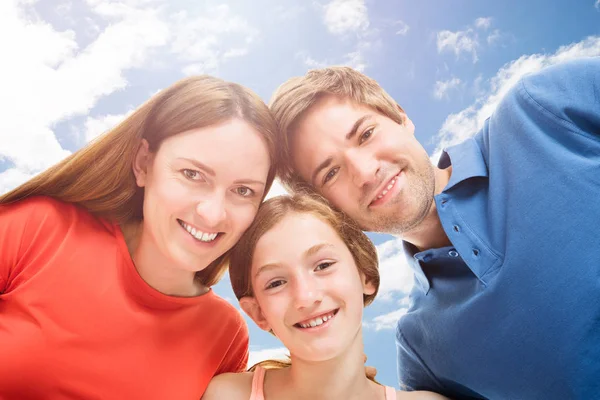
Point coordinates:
[(340, 378), (155, 269)]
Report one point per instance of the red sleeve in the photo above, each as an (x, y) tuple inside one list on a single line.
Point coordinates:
[(236, 359), (26, 228)]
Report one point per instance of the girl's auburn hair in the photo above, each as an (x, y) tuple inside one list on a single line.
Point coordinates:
[(99, 176)]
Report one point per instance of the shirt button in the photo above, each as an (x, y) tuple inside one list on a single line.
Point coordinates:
[(456, 228), (476, 252), (444, 202), (453, 253)]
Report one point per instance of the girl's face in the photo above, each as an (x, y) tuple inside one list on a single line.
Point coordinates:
[(202, 190), (307, 288)]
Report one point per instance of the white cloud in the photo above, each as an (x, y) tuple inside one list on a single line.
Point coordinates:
[(344, 16), (494, 37), (389, 320), (95, 126), (442, 87), (466, 123), (597, 5), (458, 42), (199, 40), (310, 62), (55, 80), (403, 28), (483, 23), (396, 275), (47, 78), (278, 353)]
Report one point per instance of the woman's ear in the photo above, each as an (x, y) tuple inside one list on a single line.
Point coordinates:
[(253, 310), (141, 163)]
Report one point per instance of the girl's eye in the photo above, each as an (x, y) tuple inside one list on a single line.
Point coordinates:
[(191, 174), (275, 284), (324, 265), (366, 135), (330, 174), (244, 191)]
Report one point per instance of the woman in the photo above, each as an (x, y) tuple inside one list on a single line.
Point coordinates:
[(304, 272), (107, 258)]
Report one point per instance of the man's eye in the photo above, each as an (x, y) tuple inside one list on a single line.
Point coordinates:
[(330, 174), (275, 284), (366, 135), (244, 191), (191, 174), (324, 265)]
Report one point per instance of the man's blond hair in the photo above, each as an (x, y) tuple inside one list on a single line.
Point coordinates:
[(294, 97)]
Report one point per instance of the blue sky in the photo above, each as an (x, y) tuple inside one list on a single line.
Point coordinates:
[(73, 68)]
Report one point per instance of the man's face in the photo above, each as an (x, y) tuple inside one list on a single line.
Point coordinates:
[(365, 164)]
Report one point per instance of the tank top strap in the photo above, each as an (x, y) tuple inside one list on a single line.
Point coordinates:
[(390, 393), (258, 383)]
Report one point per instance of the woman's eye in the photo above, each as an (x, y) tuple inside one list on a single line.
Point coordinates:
[(324, 265), (330, 174), (275, 284), (244, 191), (366, 135), (191, 174)]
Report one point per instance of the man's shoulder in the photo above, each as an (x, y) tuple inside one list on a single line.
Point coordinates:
[(231, 386)]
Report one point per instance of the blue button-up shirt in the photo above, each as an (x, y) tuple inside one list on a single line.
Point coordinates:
[(512, 309)]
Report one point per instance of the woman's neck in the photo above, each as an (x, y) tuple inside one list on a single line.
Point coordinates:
[(340, 378), (155, 268)]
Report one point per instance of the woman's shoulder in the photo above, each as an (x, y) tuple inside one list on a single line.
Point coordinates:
[(231, 386)]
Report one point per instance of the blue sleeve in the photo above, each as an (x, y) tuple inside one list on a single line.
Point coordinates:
[(568, 94), (413, 374)]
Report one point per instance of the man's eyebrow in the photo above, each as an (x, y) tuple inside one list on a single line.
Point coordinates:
[(200, 165), (349, 136), (357, 125)]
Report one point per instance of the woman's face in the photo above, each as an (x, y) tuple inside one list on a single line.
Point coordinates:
[(307, 288), (202, 190)]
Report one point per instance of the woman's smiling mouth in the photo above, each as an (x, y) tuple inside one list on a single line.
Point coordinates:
[(197, 234)]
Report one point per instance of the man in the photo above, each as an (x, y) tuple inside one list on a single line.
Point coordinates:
[(503, 235)]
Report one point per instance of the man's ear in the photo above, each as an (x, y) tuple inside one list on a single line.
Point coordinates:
[(253, 310), (141, 162)]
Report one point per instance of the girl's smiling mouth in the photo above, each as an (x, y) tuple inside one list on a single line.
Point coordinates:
[(317, 321)]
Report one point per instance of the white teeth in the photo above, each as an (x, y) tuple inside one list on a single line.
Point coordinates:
[(202, 236), (384, 192), (317, 321)]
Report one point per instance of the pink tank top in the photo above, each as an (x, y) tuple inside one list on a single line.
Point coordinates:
[(259, 379)]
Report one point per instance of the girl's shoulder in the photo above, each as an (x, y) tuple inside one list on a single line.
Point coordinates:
[(419, 395), (231, 386)]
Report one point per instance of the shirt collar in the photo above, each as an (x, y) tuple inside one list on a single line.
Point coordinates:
[(466, 160), (411, 252)]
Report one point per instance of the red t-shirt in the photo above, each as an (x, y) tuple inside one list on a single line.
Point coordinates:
[(78, 322)]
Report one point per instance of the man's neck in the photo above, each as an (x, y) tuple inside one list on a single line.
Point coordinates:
[(155, 269), (430, 234), (340, 378)]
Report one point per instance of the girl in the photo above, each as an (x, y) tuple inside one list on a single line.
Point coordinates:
[(304, 272), (107, 258)]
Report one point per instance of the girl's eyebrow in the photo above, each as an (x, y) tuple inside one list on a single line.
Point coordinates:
[(264, 268), (316, 248)]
